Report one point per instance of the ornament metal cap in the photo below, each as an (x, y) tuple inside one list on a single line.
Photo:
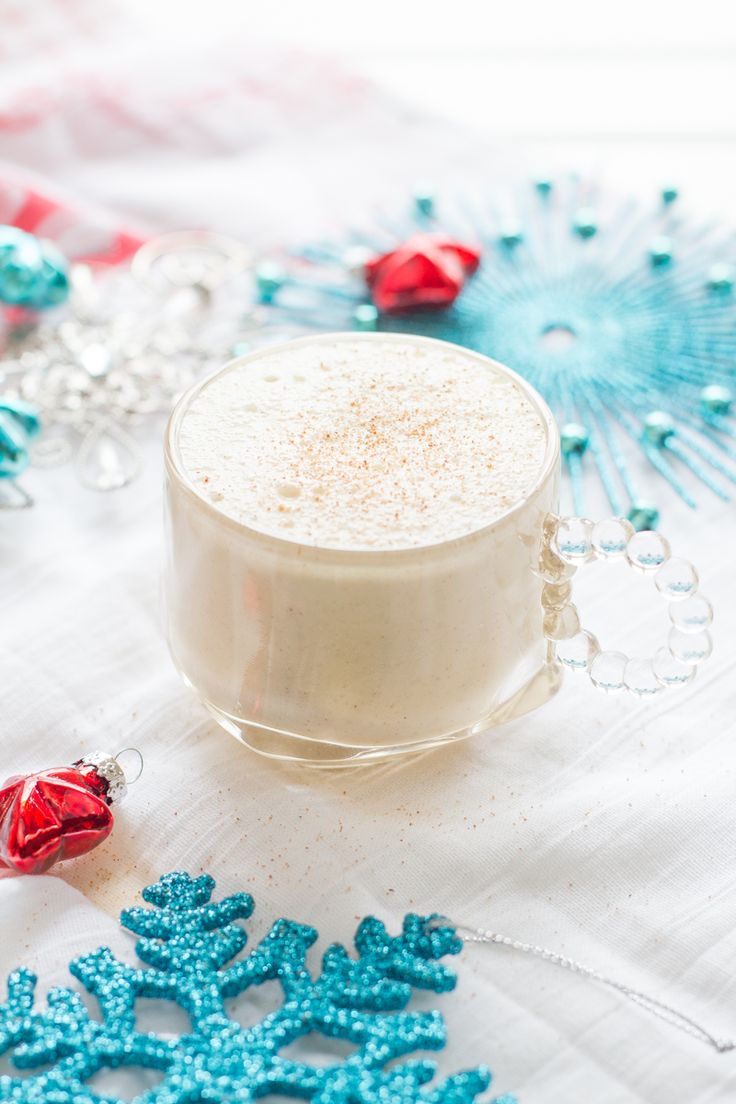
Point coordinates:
[(108, 768)]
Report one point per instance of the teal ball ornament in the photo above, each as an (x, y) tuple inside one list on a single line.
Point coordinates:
[(424, 200), (660, 252), (715, 399), (585, 223), (720, 278), (19, 424), (658, 428), (33, 273), (574, 439), (54, 287), (511, 235), (13, 448), (269, 281), (643, 515), (365, 318), (24, 414)]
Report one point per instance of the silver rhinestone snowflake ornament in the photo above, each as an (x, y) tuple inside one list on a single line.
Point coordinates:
[(190, 946), (124, 346)]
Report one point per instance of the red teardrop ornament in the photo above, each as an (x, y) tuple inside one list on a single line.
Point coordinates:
[(53, 815), (426, 271)]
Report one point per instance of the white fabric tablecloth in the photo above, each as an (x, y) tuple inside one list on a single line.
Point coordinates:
[(598, 826), (604, 828)]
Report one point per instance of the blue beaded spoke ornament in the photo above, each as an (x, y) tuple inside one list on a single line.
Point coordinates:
[(621, 315), (189, 945)]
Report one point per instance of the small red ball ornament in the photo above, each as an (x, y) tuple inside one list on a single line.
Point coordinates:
[(58, 813), (426, 271)]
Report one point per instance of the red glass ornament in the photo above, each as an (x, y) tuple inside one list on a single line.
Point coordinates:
[(53, 815), (426, 271)]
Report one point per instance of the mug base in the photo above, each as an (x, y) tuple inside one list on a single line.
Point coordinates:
[(291, 747)]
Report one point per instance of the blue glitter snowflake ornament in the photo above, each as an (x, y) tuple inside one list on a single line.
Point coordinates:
[(190, 945), (621, 313)]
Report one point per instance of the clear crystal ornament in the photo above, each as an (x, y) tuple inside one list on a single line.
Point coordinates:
[(190, 259), (13, 496), (108, 458), (52, 449)]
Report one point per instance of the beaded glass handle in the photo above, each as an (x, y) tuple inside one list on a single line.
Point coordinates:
[(570, 542)]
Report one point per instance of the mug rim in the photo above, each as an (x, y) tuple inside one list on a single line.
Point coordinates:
[(175, 467)]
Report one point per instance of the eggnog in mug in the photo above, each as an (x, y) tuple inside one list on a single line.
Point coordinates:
[(354, 528)]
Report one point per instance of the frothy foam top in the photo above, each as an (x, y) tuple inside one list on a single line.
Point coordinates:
[(363, 444)]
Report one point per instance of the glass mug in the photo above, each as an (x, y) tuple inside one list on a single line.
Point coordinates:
[(345, 656)]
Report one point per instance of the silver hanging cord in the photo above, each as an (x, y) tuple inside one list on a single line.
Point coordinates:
[(650, 1004), (130, 761)]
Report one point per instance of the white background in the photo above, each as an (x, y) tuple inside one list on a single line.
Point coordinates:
[(642, 70), (635, 89)]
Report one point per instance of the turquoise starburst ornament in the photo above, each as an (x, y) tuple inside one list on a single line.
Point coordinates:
[(621, 313), (191, 949)]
